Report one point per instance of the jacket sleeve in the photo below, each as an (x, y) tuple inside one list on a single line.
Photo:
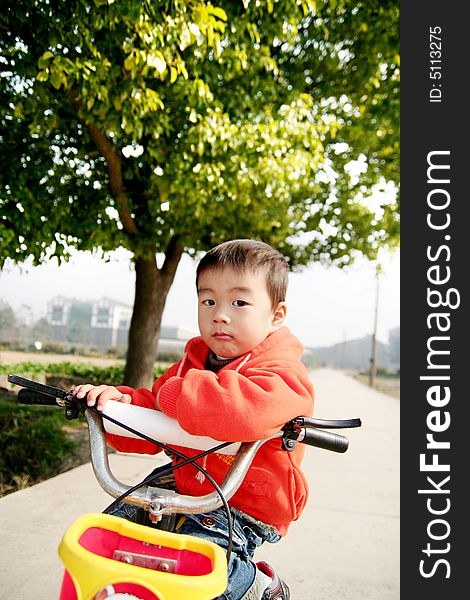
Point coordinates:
[(231, 406), (146, 399)]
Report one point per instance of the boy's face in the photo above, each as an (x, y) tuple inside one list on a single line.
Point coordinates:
[(234, 310)]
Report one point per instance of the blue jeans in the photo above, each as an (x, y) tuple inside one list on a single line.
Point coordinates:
[(248, 534)]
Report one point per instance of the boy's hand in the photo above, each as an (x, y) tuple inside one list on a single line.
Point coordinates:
[(99, 394)]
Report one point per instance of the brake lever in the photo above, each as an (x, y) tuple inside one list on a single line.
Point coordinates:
[(42, 388), (63, 398)]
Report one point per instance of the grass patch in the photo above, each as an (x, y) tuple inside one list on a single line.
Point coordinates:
[(387, 384)]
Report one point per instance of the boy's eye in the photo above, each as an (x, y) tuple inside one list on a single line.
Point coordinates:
[(239, 303), (208, 302)]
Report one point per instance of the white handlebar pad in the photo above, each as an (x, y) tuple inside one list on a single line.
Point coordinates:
[(158, 426)]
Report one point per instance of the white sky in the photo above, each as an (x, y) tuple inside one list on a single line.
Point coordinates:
[(325, 305)]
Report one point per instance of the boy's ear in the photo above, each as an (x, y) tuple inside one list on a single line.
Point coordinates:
[(279, 315)]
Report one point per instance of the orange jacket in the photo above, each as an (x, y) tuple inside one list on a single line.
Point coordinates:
[(249, 399)]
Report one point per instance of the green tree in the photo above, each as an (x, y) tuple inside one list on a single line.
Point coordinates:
[(167, 127), (7, 319)]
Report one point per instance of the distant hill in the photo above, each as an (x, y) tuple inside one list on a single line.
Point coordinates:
[(356, 354)]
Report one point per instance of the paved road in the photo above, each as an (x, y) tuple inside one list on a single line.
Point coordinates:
[(346, 545)]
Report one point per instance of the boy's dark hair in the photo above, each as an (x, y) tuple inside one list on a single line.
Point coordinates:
[(250, 255)]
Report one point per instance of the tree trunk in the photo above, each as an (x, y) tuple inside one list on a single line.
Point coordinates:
[(151, 289)]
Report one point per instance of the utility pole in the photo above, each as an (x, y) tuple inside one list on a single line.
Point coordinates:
[(373, 357)]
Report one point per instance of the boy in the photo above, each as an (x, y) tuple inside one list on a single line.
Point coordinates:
[(241, 380)]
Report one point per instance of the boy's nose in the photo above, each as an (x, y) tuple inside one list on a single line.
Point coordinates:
[(221, 317)]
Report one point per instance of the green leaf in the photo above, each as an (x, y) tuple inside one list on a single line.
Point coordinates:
[(45, 59), (56, 79), (129, 62), (42, 76), (219, 12)]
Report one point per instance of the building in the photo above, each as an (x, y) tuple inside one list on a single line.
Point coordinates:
[(101, 324), (110, 322), (173, 339)]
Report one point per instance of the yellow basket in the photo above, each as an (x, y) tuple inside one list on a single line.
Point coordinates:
[(105, 555)]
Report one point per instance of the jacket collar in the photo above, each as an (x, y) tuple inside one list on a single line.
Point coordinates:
[(197, 350)]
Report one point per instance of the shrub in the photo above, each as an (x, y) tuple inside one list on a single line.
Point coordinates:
[(33, 445), (112, 375)]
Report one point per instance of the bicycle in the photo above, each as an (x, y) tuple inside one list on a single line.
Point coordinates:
[(109, 557)]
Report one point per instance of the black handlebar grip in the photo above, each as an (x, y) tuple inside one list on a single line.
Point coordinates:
[(31, 397), (325, 439)]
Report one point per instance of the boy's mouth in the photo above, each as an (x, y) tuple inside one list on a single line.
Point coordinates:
[(222, 336)]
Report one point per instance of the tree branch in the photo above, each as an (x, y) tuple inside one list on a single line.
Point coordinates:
[(113, 160), (172, 255)]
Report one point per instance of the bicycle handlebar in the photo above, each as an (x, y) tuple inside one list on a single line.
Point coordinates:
[(161, 501), (31, 397), (323, 439), (42, 389)]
